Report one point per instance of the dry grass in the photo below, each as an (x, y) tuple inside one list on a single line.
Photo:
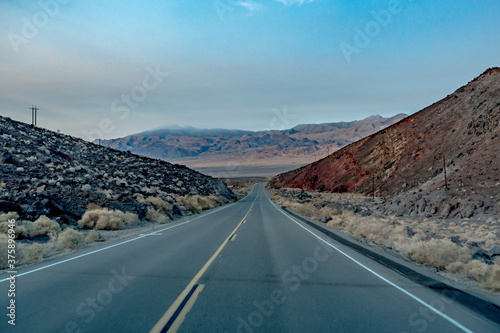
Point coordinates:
[(155, 216), (105, 219), (4, 242), (426, 241), (20, 228), (94, 236), (158, 202), (69, 239), (36, 251), (197, 203), (5, 217), (43, 226), (439, 253)]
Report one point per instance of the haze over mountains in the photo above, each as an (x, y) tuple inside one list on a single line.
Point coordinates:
[(407, 158), (216, 147)]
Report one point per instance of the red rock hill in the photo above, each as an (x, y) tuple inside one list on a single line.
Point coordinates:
[(464, 127)]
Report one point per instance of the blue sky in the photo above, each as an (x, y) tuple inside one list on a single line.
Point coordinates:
[(114, 68)]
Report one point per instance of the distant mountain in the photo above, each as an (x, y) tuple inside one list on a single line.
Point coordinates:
[(300, 144), (461, 131)]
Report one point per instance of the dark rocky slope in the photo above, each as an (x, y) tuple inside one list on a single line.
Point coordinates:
[(47, 173)]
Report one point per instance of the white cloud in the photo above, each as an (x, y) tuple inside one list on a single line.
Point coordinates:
[(251, 6), (294, 2)]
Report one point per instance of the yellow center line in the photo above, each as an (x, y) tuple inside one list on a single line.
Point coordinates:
[(178, 322), (166, 317)]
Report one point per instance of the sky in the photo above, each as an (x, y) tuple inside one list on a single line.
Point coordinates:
[(112, 68)]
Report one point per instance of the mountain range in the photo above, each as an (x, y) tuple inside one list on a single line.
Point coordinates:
[(216, 147)]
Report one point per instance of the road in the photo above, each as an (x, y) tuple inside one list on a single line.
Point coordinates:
[(246, 267)]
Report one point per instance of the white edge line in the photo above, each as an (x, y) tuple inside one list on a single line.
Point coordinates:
[(118, 244), (451, 320)]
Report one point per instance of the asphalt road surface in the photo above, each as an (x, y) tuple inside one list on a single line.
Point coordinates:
[(246, 267)]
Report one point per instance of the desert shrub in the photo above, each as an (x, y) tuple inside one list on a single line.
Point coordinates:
[(20, 227), (43, 226), (197, 203), (153, 215), (5, 217), (130, 218), (439, 253), (94, 236), (487, 275), (473, 269), (158, 202), (4, 241), (109, 220), (69, 239), (105, 219), (492, 282), (35, 251)]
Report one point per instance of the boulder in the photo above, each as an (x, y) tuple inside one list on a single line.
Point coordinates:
[(481, 255), (494, 251), (6, 206), (176, 211), (303, 195), (7, 158), (66, 219)]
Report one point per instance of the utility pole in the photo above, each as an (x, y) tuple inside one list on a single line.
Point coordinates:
[(34, 112)]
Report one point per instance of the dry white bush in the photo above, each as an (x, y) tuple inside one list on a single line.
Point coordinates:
[(158, 202), (5, 217), (43, 226), (36, 251), (197, 203), (153, 215), (69, 239), (130, 218), (439, 253), (105, 219), (94, 236), (4, 242)]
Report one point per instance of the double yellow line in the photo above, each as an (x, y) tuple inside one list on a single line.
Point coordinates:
[(189, 295)]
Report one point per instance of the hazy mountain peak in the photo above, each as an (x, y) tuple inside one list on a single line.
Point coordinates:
[(300, 144)]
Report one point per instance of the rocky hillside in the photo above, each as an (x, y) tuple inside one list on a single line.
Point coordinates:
[(46, 173), (461, 131), (303, 143)]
